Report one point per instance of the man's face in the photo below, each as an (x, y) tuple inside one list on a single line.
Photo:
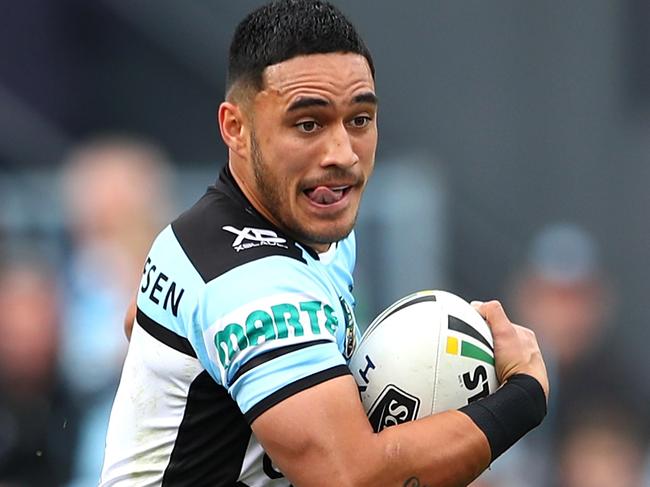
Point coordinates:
[(313, 140)]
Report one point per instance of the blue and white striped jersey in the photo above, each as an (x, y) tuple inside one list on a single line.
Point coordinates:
[(233, 317)]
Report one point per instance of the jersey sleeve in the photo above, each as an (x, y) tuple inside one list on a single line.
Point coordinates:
[(266, 330)]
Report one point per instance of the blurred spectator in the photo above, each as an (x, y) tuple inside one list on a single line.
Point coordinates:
[(562, 294), (36, 414), (116, 199), (602, 448)]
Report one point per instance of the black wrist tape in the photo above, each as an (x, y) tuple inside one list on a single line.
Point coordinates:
[(512, 411)]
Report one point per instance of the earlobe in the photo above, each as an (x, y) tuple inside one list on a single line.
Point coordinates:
[(232, 127)]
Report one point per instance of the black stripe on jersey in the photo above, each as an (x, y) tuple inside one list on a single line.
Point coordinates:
[(212, 439), (265, 357), (460, 326), (211, 249), (293, 388), (164, 335)]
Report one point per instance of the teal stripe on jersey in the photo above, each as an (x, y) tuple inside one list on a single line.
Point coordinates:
[(269, 377)]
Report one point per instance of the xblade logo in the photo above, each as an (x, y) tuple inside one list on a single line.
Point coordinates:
[(255, 237), (394, 406)]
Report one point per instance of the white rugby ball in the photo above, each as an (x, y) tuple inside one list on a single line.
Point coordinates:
[(429, 352)]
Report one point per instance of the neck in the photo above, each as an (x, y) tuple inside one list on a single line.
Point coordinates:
[(250, 195)]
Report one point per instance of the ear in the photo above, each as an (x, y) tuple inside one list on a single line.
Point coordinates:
[(233, 128)]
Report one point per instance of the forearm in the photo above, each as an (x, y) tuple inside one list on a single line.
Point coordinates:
[(500, 420), (332, 443), (443, 450)]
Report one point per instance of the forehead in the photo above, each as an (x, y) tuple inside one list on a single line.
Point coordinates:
[(335, 76)]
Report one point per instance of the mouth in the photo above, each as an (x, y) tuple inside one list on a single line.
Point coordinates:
[(325, 196)]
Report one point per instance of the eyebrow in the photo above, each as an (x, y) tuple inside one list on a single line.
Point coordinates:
[(368, 97), (308, 102)]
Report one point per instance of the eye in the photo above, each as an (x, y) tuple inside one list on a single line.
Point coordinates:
[(308, 126), (361, 121)]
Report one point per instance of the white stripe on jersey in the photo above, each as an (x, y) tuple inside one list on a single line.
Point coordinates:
[(253, 471)]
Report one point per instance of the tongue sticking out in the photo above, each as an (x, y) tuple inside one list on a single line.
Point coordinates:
[(324, 195)]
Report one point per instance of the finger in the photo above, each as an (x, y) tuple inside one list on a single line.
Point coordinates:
[(490, 310), (477, 305), (494, 312), (496, 318)]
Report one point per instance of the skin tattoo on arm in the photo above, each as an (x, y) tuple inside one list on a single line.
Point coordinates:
[(413, 482)]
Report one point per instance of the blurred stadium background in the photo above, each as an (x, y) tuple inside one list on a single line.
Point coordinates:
[(514, 162)]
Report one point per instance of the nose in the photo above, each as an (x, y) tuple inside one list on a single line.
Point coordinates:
[(339, 148)]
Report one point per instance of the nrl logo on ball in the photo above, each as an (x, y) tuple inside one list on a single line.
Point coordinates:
[(393, 406)]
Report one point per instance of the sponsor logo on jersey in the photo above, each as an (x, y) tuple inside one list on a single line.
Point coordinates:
[(160, 288), (275, 322), (248, 238), (393, 406)]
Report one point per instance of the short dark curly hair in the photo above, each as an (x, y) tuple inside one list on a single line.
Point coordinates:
[(283, 29)]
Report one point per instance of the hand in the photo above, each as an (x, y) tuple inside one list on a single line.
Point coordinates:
[(515, 348)]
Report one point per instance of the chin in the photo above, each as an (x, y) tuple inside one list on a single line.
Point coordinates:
[(328, 235)]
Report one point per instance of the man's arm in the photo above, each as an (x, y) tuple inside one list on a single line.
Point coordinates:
[(129, 318), (321, 436)]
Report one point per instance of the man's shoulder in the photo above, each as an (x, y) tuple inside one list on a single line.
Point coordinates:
[(220, 233)]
